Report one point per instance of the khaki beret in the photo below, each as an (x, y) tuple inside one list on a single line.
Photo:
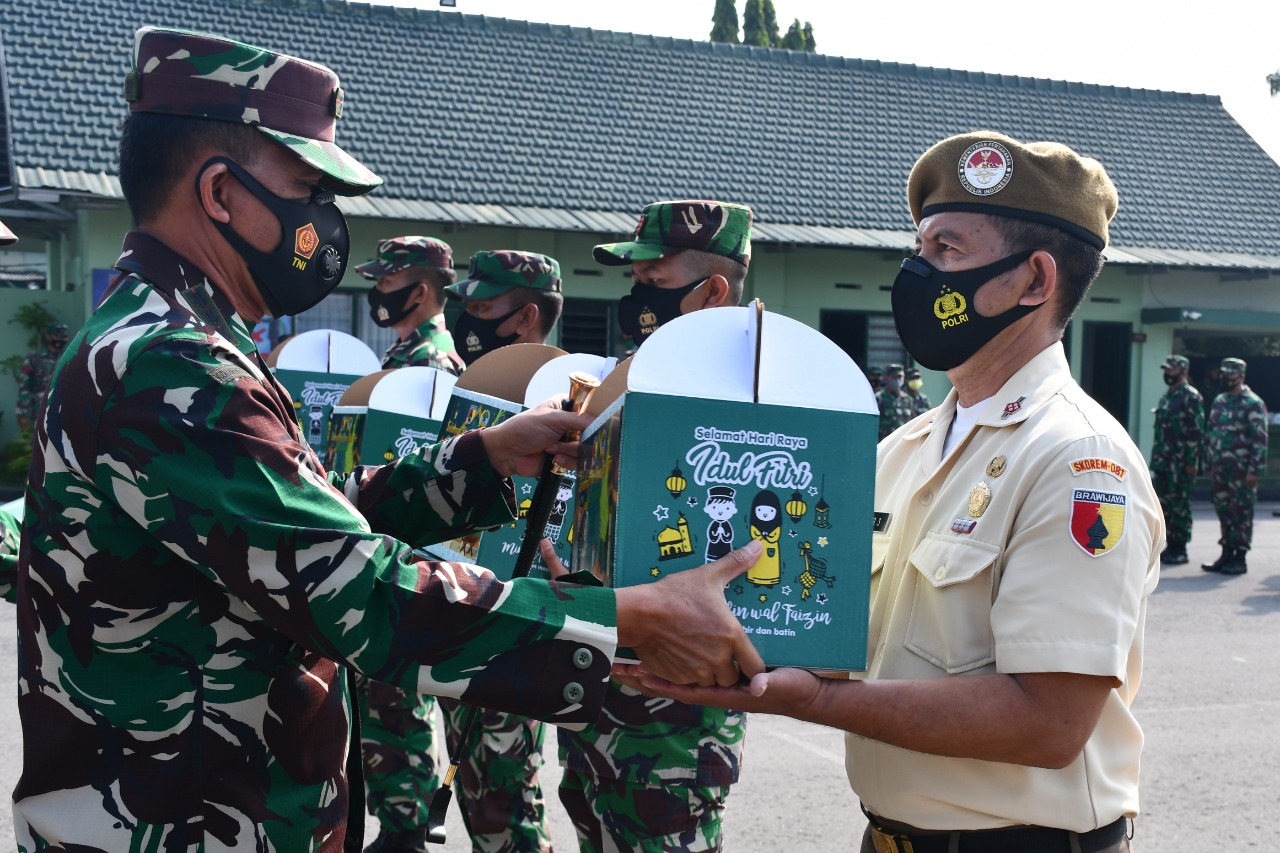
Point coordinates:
[(986, 172)]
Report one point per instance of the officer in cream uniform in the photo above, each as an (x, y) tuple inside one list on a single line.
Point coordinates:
[(1018, 537)]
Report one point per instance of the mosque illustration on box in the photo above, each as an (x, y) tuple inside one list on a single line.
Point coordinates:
[(765, 521)]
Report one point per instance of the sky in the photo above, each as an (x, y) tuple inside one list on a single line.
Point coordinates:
[(1225, 48)]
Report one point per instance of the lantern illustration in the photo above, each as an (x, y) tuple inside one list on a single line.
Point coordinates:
[(820, 511), (676, 482), (796, 507)]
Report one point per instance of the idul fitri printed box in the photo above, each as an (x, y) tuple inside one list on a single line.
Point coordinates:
[(387, 415), (317, 368), (738, 424), (493, 388)]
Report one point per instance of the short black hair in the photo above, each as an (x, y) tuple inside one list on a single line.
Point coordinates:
[(702, 265), (550, 303), (156, 150), (1078, 262)]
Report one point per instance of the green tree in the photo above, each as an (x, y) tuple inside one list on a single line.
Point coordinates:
[(724, 22), (771, 24), (794, 39), (809, 43), (753, 25)]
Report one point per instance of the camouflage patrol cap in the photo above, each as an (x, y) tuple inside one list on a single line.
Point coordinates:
[(913, 373), (494, 273), (1176, 362), (7, 236), (670, 226), (1232, 365), (874, 371), (295, 102), (1043, 182), (56, 330), (893, 370), (397, 253)]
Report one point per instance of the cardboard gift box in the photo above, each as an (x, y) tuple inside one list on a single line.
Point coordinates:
[(492, 389), (316, 368), (727, 425), (386, 415)]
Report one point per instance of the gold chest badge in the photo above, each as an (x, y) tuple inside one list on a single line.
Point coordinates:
[(979, 500), (996, 466)]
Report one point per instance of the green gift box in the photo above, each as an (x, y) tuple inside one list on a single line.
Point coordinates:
[(495, 387), (729, 425), (317, 368)]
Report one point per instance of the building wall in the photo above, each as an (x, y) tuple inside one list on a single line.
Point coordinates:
[(796, 281)]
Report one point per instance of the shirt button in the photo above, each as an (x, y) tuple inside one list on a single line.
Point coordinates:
[(582, 658), (573, 692), (940, 574), (926, 499)]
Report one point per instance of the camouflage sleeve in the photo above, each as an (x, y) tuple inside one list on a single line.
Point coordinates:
[(1259, 437), (1191, 429), (200, 455), (411, 497), (9, 536)]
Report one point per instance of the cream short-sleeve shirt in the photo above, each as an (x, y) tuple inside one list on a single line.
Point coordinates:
[(1031, 547)]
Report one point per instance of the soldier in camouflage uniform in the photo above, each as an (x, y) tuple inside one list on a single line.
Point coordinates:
[(37, 367), (875, 376), (651, 774), (411, 274), (895, 403), (510, 297), (1175, 456), (193, 589), (1236, 450), (919, 400), (498, 790)]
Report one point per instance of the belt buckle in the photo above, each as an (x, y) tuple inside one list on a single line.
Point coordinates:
[(888, 842)]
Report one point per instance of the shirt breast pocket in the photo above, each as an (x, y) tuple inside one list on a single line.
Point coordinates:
[(951, 615)]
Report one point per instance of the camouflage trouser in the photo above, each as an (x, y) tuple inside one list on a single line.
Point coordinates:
[(614, 816), (1174, 489), (497, 784), (401, 756), (1234, 502)]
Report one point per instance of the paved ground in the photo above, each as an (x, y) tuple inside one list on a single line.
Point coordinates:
[(1209, 698)]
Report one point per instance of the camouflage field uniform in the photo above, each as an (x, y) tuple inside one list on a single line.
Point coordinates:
[(651, 773), (1179, 432), (428, 346), (1236, 446), (895, 410), (192, 586), (37, 367), (919, 403), (10, 529)]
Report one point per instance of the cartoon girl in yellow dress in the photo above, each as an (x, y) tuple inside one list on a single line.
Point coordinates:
[(766, 525)]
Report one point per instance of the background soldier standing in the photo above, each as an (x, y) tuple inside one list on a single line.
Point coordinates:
[(895, 404), (1175, 456), (1236, 446), (37, 367), (919, 400), (411, 275)]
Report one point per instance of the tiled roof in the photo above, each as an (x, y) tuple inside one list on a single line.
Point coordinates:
[(480, 119)]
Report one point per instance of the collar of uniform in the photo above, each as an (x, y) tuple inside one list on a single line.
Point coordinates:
[(1030, 388), (170, 273), (1027, 390), (432, 326)]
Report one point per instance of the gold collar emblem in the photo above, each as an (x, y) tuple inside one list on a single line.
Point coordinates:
[(979, 500), (996, 466)]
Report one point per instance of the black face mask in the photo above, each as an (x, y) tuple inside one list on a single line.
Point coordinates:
[(56, 344), (1172, 378), (389, 309), (313, 250), (474, 337), (649, 307), (934, 311)]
